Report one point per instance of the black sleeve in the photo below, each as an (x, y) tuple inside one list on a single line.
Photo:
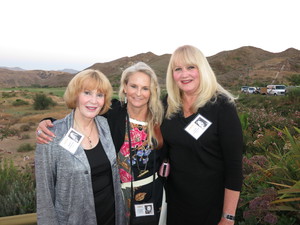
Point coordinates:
[(48, 118), (231, 140)]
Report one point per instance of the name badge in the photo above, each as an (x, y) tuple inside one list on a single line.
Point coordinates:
[(146, 209), (72, 140), (197, 126)]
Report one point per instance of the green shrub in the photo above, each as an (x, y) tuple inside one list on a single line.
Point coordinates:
[(31, 123), (293, 94), (294, 79), (7, 131), (271, 192), (17, 190), (244, 120), (24, 127), (25, 147), (19, 102), (41, 102), (8, 94)]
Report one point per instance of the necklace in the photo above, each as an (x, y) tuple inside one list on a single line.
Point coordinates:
[(89, 136)]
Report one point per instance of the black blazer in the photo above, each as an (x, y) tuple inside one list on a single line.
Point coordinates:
[(116, 118)]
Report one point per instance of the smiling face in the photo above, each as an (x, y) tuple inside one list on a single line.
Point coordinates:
[(187, 78), (137, 90), (89, 103)]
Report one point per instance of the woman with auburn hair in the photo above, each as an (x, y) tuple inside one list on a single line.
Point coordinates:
[(77, 180), (134, 121), (206, 161)]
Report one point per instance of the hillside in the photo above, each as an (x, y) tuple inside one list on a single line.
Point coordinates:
[(243, 66), (26, 78)]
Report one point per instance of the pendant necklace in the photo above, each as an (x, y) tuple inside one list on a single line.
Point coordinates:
[(89, 136)]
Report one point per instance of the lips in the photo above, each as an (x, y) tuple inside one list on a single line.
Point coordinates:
[(91, 108), (186, 81)]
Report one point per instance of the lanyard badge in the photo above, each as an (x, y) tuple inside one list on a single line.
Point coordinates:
[(197, 126), (146, 209), (72, 140)]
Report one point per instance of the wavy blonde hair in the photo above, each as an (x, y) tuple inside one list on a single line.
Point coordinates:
[(88, 80), (208, 89), (155, 108)]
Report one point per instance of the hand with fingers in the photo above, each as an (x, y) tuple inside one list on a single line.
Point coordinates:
[(43, 134)]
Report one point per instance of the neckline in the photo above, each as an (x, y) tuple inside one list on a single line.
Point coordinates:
[(143, 123)]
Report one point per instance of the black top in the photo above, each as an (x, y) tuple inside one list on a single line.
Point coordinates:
[(102, 185), (201, 169)]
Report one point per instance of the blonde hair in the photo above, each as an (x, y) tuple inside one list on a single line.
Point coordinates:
[(155, 108), (88, 80), (208, 89)]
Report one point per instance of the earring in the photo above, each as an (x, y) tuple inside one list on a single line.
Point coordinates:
[(125, 100)]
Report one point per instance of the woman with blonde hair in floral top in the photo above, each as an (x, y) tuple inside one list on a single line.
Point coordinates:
[(139, 111)]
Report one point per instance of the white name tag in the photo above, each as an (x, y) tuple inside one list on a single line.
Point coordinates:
[(146, 209), (197, 126), (72, 140)]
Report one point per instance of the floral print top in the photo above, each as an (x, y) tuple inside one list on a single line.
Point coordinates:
[(140, 153)]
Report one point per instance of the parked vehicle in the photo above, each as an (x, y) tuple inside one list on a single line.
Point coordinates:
[(251, 90), (263, 90), (244, 89), (276, 89)]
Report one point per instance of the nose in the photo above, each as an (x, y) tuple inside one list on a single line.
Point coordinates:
[(139, 91), (93, 98), (184, 71)]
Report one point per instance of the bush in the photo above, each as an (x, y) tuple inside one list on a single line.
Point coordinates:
[(8, 94), (19, 102), (17, 190), (25, 147), (31, 123), (41, 102), (25, 127), (6, 132), (293, 94), (294, 79), (272, 180)]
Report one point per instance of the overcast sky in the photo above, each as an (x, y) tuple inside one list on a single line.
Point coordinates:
[(75, 34)]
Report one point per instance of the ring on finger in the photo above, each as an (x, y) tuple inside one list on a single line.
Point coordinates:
[(38, 132)]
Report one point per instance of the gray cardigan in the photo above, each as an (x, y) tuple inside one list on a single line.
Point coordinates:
[(63, 180)]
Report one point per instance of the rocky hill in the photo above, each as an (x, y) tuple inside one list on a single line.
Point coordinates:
[(243, 66), (254, 66), (27, 78)]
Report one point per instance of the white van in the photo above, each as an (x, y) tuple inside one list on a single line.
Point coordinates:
[(276, 89)]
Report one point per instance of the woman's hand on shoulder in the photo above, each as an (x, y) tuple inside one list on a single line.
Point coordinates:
[(43, 134)]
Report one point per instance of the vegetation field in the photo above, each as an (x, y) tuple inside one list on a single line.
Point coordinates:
[(57, 91)]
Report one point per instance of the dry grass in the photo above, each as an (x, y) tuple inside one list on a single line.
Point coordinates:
[(57, 113), (15, 117)]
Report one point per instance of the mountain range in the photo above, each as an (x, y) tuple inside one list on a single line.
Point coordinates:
[(243, 66)]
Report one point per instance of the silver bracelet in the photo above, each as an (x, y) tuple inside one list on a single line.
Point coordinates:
[(228, 216)]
